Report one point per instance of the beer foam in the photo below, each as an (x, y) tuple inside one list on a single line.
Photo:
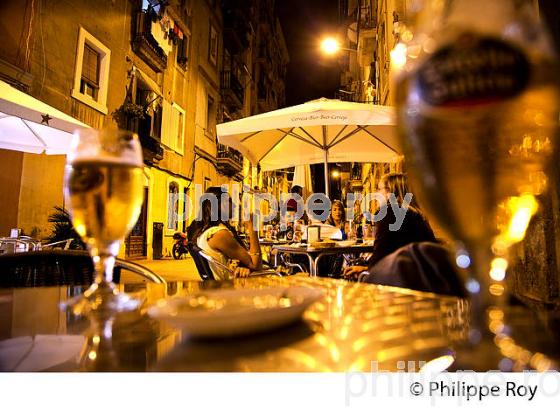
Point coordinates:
[(107, 159)]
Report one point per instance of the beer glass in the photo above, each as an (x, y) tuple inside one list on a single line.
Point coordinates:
[(477, 106), (104, 190)]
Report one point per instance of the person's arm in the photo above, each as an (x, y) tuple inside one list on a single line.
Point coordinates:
[(352, 272), (254, 245), (224, 242)]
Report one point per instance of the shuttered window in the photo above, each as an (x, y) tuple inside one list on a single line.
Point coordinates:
[(90, 72)]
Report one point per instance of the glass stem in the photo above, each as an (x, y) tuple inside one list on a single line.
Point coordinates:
[(104, 265)]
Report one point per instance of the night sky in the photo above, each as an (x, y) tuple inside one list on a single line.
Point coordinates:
[(305, 22), (310, 75)]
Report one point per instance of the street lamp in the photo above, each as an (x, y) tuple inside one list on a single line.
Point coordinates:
[(330, 46)]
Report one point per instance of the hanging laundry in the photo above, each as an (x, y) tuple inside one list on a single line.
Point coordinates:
[(161, 35)]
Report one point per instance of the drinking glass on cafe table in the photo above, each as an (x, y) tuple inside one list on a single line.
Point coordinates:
[(477, 107), (103, 187)]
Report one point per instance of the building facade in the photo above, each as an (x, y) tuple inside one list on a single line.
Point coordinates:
[(167, 70), (371, 30)]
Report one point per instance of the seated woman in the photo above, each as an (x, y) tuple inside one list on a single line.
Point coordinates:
[(331, 265), (216, 237), (337, 218), (415, 227)]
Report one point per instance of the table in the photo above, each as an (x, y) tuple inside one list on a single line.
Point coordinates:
[(355, 326), (267, 245), (315, 254)]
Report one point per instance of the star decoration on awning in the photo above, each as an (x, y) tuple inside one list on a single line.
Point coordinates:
[(46, 119)]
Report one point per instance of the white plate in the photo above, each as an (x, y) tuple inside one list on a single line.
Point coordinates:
[(234, 312)]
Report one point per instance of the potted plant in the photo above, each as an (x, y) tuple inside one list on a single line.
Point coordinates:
[(128, 114), (63, 229)]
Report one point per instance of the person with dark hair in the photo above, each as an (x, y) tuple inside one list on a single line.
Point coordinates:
[(337, 217), (291, 205), (213, 233), (414, 228)]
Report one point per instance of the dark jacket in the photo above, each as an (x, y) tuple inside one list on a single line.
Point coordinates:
[(415, 228), (423, 266)]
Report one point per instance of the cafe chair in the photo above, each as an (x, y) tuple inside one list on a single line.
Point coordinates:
[(203, 261), (60, 268), (201, 264), (422, 266), (219, 264), (292, 266), (65, 244)]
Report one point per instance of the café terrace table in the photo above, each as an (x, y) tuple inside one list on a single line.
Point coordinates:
[(354, 326), (316, 254)]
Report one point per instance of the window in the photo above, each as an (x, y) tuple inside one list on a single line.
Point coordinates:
[(183, 51), (91, 75), (173, 207), (210, 117), (89, 83), (178, 128), (213, 46), (173, 127), (150, 125)]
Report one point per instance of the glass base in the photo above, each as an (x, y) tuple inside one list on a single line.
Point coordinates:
[(102, 299)]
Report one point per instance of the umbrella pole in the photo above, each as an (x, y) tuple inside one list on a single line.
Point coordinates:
[(327, 173)]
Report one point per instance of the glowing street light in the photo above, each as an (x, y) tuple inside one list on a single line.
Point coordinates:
[(330, 46), (335, 173)]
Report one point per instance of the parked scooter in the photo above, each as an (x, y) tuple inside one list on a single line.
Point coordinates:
[(180, 245)]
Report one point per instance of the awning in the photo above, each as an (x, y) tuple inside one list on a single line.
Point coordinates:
[(145, 78), (30, 125)]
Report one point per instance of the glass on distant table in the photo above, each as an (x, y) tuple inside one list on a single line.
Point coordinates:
[(104, 191), (298, 231), (350, 230)]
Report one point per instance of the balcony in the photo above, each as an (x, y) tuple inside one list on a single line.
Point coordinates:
[(367, 18), (236, 29), (229, 160), (145, 45), (232, 90), (151, 149), (344, 95)]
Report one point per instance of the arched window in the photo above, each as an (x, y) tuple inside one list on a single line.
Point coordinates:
[(173, 206)]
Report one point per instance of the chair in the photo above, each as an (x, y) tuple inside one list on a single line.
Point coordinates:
[(291, 265), (59, 268), (65, 244), (202, 261), (201, 264)]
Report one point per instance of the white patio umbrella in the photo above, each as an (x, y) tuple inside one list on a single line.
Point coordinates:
[(30, 125), (302, 177), (318, 131)]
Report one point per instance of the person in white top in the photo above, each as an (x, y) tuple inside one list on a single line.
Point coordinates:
[(216, 237)]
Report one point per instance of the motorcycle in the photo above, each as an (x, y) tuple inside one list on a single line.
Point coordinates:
[(180, 245)]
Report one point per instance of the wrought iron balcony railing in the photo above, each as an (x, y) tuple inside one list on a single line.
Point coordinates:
[(232, 90), (145, 45), (230, 161)]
